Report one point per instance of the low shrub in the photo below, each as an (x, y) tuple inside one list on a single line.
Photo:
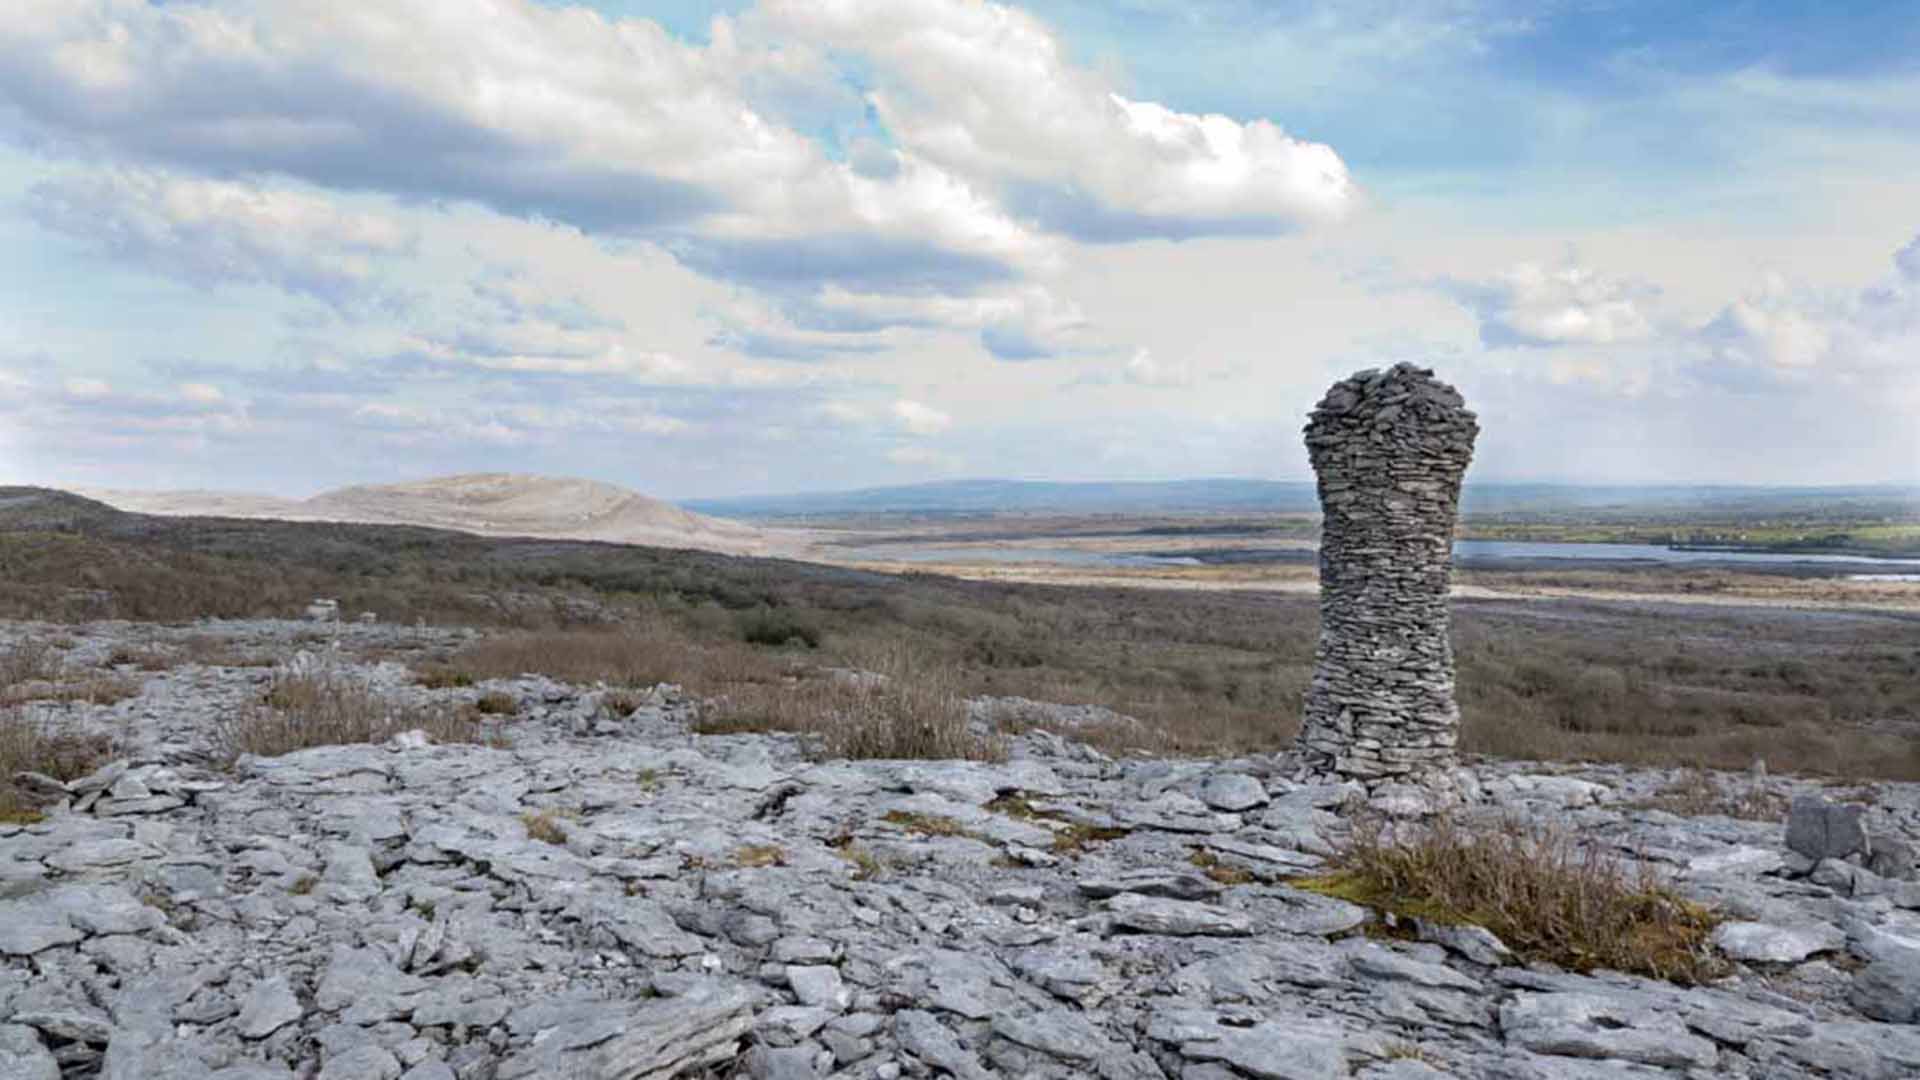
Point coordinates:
[(32, 745), (303, 711), (1536, 888), (777, 627)]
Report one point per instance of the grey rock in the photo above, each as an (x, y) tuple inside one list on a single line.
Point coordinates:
[(923, 1036), (1853, 1049), (364, 1062), (819, 986), (23, 1056), (1377, 962), (27, 927), (658, 1038), (1820, 829), (269, 1006), (1178, 918), (1296, 1048), (1622, 1027), (1173, 884), (1755, 942), (1888, 988), (1892, 858), (1232, 792), (785, 1063), (1476, 943)]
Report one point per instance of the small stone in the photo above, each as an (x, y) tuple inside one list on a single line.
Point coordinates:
[(1754, 942), (819, 986), (1177, 918), (269, 1006), (1233, 792), (1820, 829)]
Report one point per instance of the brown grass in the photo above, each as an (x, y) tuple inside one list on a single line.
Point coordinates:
[(442, 677), (1207, 672), (28, 661), (544, 825), (1210, 864), (303, 711), (755, 856), (1695, 793), (30, 745), (905, 711), (1537, 889), (496, 703)]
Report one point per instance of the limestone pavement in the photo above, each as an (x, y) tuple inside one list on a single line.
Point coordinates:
[(726, 906)]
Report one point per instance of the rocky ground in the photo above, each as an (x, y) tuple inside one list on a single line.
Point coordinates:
[(615, 896)]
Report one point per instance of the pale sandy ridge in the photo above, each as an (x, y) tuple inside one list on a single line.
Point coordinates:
[(489, 504)]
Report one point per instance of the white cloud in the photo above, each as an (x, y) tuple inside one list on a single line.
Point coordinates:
[(86, 388), (608, 126), (1143, 370), (986, 91), (1534, 305), (212, 232), (1792, 333), (202, 394), (917, 419)]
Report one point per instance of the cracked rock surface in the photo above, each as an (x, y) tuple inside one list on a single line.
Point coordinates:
[(723, 905)]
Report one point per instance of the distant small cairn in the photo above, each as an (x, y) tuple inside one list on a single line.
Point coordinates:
[(1390, 449), (323, 610)]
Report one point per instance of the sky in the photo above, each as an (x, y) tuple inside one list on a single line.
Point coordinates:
[(789, 245)]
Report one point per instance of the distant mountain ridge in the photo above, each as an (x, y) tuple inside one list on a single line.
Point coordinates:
[(489, 504), (1224, 494)]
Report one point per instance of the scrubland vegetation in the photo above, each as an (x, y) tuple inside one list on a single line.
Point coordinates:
[(772, 644)]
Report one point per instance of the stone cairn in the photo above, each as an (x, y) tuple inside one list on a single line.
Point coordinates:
[(1389, 448)]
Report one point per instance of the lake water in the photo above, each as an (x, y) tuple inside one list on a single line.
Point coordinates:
[(1465, 551)]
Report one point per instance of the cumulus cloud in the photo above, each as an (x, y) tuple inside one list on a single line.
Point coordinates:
[(917, 419), (555, 113), (986, 90), (1791, 333), (213, 232), (1539, 306)]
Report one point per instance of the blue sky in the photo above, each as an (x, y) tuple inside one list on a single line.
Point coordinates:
[(707, 249)]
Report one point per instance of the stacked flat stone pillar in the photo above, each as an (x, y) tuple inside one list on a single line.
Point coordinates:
[(1390, 449)]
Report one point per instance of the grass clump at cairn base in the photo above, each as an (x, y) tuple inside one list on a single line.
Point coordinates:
[(300, 711), (32, 746), (1537, 889)]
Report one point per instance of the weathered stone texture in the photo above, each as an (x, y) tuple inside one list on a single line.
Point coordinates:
[(1390, 449)]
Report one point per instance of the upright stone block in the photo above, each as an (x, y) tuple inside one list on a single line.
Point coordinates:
[(1390, 449)]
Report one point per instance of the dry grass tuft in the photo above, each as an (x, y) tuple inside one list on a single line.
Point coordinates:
[(908, 711), (29, 745), (442, 677), (1695, 793), (925, 824), (1210, 864), (496, 703), (754, 856), (544, 826), (145, 658), (637, 655), (866, 865), (1537, 889), (27, 661), (1078, 837), (303, 711)]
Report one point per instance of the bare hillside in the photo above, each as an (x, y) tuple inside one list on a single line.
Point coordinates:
[(490, 504)]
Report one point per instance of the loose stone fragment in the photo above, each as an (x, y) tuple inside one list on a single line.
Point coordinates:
[(1820, 829)]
